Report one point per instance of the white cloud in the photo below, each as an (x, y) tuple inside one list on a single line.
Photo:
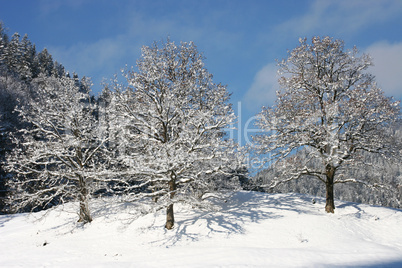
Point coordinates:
[(98, 58), (387, 67), (263, 90), (340, 17), (104, 57)]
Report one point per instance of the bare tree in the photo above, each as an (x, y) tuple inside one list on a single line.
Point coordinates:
[(56, 158), (170, 122), (329, 106)]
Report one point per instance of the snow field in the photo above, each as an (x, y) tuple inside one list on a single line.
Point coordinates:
[(250, 230)]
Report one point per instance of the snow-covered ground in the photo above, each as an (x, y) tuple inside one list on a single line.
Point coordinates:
[(250, 230)]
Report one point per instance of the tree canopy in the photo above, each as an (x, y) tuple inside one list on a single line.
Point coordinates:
[(330, 106), (171, 120)]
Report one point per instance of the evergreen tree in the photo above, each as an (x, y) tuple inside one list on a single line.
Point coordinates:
[(12, 54), (45, 62), (3, 45)]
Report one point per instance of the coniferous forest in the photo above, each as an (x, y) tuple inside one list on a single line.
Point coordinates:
[(156, 135)]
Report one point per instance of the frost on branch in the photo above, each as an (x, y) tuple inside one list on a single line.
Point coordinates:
[(169, 127), (57, 156), (329, 106)]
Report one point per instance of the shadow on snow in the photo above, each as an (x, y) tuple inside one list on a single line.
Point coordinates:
[(240, 210)]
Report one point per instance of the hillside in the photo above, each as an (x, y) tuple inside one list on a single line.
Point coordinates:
[(249, 230)]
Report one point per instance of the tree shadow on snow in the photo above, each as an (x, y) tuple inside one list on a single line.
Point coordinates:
[(5, 218), (193, 224), (389, 264), (240, 210)]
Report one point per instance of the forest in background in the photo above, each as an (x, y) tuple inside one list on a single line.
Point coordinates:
[(380, 171), (20, 64)]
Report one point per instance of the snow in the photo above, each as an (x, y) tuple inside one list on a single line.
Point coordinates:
[(249, 230)]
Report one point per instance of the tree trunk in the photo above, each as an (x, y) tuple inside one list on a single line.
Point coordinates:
[(329, 183), (85, 214), (169, 211), (169, 217)]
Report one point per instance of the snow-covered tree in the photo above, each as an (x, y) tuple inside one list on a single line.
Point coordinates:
[(56, 158), (45, 62), (27, 59), (3, 41), (330, 106), (170, 120), (12, 91), (12, 53), (376, 170)]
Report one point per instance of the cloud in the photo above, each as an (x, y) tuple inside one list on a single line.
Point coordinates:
[(263, 90), (136, 27), (340, 17), (387, 67), (104, 57), (101, 57)]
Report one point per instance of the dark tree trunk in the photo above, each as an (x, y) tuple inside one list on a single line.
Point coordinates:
[(329, 183), (169, 217), (169, 211), (85, 214)]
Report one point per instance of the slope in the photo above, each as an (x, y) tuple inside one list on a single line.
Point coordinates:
[(250, 229)]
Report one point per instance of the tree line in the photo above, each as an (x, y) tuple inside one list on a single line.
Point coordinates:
[(157, 134)]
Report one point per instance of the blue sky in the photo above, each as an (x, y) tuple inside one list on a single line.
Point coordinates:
[(240, 39)]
